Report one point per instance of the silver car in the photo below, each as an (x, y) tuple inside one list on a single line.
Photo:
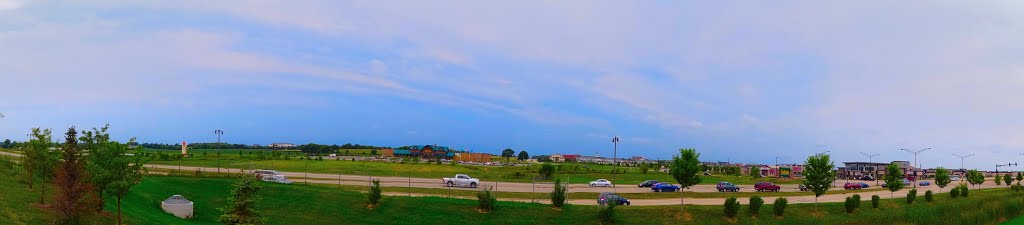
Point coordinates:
[(276, 179)]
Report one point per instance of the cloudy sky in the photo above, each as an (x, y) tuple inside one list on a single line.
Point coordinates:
[(746, 82)]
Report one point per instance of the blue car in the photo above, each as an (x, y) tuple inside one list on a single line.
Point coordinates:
[(924, 183), (665, 187), (864, 185)]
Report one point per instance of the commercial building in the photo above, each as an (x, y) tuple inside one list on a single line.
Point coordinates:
[(281, 145)]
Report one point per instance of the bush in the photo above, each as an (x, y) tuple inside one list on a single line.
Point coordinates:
[(732, 206), (850, 205), (779, 207), (856, 199), (911, 196), (546, 170), (928, 196), (375, 192), (558, 195), (607, 212), (755, 205), (486, 200), (955, 192), (874, 201), (963, 190)]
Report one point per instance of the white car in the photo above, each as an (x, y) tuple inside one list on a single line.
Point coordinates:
[(266, 173), (461, 180), (601, 182), (277, 179), (954, 178)]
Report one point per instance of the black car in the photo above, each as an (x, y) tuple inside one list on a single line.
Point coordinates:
[(804, 187), (648, 183), (867, 178), (607, 197)]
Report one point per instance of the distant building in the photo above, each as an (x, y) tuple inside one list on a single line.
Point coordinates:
[(638, 158), (472, 157), (571, 158), (557, 158), (387, 152), (282, 145)]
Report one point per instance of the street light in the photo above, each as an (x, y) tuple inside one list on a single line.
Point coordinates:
[(915, 161), (1001, 165), (219, 133), (874, 171), (615, 155), (962, 157)]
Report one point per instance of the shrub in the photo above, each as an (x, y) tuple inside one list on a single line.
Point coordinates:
[(963, 190), (874, 201), (375, 192), (850, 205), (558, 195), (955, 192), (732, 206), (607, 212), (486, 200), (546, 170), (928, 196), (911, 196), (755, 205), (779, 207), (856, 199)]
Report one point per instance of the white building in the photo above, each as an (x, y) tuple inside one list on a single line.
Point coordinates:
[(281, 145)]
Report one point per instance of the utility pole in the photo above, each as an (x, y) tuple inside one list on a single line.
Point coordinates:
[(915, 161), (615, 155), (219, 133), (962, 157), (874, 171)]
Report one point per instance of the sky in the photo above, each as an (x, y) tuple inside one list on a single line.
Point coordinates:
[(747, 82)]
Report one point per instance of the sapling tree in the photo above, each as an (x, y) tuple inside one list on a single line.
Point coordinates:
[(893, 179), (942, 178), (241, 204), (685, 170), (818, 175)]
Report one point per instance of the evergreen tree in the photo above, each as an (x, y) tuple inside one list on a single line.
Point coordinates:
[(75, 195), (241, 208)]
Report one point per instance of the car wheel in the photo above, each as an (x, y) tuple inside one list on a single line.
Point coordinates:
[(472, 185), (450, 184), (627, 203), (607, 185)]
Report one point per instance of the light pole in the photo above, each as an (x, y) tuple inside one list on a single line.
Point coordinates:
[(615, 155), (874, 171), (219, 133), (962, 157), (915, 161)]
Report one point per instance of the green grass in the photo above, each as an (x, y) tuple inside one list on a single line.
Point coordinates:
[(573, 173), (313, 205), (286, 204)]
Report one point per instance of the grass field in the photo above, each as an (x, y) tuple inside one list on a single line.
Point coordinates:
[(315, 204), (574, 173), (291, 204)]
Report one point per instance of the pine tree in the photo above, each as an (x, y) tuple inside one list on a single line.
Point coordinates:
[(241, 208), (75, 195)]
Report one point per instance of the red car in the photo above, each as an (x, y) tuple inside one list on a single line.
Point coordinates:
[(766, 186), (850, 186)]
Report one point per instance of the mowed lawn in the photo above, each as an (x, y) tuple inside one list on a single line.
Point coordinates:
[(291, 204), (574, 173), (313, 205)]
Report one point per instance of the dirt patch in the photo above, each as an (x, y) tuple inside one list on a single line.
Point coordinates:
[(482, 211), (370, 206), (556, 208), (818, 214), (42, 206)]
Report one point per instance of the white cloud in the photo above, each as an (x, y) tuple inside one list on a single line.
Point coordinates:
[(10, 4)]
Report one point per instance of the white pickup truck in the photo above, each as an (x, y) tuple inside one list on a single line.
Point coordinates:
[(461, 180)]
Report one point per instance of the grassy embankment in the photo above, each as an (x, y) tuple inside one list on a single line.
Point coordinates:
[(290, 204), (574, 173)]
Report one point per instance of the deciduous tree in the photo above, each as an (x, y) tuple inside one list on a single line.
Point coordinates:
[(942, 178), (818, 175), (508, 153), (685, 170), (523, 155), (893, 179)]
